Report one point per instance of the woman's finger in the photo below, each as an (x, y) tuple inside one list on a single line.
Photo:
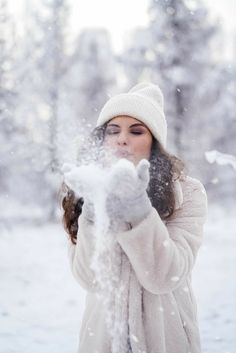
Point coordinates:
[(143, 170)]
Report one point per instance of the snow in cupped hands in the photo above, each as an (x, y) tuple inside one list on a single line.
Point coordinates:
[(102, 188)]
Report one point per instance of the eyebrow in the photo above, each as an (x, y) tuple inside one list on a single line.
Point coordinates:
[(133, 125)]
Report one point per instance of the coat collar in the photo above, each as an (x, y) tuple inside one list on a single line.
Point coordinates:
[(178, 194)]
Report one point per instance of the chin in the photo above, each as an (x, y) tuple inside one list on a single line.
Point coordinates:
[(132, 159)]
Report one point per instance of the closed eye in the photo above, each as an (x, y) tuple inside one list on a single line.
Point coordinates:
[(137, 132), (111, 131)]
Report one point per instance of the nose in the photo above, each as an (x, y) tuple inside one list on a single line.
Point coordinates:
[(122, 139)]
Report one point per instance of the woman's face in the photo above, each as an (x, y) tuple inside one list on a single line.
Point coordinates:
[(128, 138)]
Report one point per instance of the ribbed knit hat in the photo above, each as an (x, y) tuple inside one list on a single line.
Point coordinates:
[(143, 102)]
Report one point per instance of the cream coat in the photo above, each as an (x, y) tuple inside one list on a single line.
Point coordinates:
[(161, 256)]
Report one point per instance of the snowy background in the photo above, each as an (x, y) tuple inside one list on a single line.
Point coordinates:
[(59, 63)]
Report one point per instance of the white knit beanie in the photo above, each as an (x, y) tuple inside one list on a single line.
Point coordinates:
[(143, 102)]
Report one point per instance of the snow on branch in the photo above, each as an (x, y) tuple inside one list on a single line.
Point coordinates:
[(221, 158)]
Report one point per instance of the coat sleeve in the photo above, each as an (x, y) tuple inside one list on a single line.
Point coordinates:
[(80, 256), (162, 255)]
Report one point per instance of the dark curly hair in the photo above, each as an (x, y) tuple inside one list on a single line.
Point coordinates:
[(164, 169)]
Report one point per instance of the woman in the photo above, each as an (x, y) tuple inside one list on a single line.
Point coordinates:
[(158, 241)]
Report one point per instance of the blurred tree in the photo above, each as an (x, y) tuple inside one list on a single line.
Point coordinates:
[(8, 98), (177, 46), (181, 50), (51, 63), (42, 66), (88, 83), (92, 74), (137, 56)]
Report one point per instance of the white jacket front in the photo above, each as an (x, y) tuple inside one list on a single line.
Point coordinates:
[(161, 255)]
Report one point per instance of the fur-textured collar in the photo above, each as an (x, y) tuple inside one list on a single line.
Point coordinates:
[(178, 194)]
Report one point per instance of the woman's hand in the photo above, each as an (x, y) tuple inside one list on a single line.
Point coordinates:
[(123, 186), (127, 198), (84, 181)]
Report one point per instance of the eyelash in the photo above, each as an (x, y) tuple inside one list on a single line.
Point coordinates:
[(111, 132), (136, 132), (116, 132)]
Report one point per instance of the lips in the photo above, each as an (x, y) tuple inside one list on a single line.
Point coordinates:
[(124, 154)]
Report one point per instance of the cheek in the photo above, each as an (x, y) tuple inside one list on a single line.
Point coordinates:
[(143, 148)]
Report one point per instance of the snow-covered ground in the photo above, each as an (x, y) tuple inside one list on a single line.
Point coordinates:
[(214, 281), (41, 305)]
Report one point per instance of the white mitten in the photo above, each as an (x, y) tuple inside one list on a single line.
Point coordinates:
[(127, 199), (83, 180)]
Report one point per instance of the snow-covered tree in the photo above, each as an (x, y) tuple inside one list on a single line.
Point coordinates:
[(41, 67), (180, 51), (136, 57), (92, 74), (8, 97), (181, 46), (51, 64)]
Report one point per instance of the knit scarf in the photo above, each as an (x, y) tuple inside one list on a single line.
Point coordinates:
[(127, 331)]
